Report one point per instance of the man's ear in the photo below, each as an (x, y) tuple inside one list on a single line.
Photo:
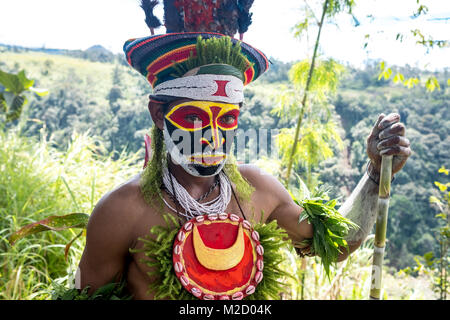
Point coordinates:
[(156, 111)]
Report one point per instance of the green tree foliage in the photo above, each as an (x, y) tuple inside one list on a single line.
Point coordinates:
[(437, 266), (12, 94), (107, 99), (312, 81), (422, 39), (317, 136), (441, 263)]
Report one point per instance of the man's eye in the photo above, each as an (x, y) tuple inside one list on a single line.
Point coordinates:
[(193, 118), (228, 119)]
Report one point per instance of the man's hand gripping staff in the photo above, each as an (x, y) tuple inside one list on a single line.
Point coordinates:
[(388, 137)]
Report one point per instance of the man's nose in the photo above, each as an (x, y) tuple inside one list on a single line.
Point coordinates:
[(214, 141)]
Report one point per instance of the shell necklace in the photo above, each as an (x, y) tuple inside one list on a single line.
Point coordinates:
[(191, 206)]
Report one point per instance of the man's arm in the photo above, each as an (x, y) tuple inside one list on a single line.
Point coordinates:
[(361, 208), (107, 244), (386, 138)]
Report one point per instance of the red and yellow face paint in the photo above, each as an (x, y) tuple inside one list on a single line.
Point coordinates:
[(210, 125)]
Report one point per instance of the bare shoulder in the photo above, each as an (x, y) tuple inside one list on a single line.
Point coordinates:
[(117, 211), (269, 195), (262, 181), (256, 176)]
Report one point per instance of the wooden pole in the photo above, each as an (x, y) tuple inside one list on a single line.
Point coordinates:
[(381, 224)]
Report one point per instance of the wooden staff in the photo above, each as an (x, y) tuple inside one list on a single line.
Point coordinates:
[(381, 224)]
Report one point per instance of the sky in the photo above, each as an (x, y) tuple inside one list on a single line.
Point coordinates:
[(64, 24)]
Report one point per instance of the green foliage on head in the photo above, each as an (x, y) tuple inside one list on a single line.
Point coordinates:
[(215, 53), (151, 179)]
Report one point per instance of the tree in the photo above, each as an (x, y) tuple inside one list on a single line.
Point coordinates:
[(312, 81), (427, 41), (441, 263), (13, 89)]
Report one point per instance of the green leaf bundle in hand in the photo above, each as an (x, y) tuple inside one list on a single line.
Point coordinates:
[(330, 229)]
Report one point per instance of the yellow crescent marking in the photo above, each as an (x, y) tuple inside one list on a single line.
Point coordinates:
[(219, 259)]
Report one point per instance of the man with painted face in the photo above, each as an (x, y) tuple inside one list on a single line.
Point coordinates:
[(197, 94), (199, 135)]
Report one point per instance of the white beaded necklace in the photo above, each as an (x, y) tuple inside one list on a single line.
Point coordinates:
[(190, 205)]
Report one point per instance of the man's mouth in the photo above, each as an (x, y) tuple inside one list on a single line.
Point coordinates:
[(208, 160)]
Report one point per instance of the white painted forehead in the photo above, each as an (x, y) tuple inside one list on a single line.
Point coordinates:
[(206, 87)]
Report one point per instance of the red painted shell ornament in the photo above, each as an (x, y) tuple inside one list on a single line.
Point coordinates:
[(218, 257)]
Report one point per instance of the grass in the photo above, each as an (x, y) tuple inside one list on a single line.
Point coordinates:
[(36, 181)]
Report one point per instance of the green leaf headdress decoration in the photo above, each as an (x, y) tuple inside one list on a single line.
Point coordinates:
[(214, 56)]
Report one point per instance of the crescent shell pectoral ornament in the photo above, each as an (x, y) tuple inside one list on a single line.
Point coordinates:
[(219, 259)]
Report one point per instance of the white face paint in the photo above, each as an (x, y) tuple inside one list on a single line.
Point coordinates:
[(208, 87), (179, 159)]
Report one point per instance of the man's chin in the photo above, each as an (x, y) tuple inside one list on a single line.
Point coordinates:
[(204, 171)]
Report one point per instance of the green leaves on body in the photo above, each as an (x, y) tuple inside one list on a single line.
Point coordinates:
[(330, 229)]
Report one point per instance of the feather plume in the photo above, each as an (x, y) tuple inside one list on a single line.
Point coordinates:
[(173, 16), (227, 17), (150, 19), (245, 17)]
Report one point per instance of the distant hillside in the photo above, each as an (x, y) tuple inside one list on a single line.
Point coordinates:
[(96, 53), (106, 98)]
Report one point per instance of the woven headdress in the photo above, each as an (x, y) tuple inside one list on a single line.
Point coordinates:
[(198, 58)]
